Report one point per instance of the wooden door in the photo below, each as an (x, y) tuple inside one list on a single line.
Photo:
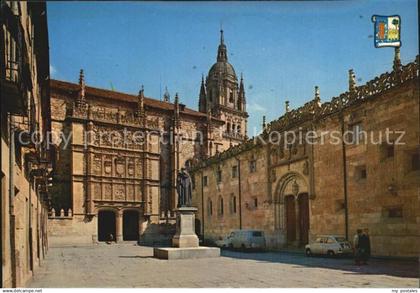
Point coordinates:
[(303, 218), (290, 218)]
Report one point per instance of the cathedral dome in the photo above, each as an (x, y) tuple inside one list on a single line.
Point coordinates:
[(224, 69)]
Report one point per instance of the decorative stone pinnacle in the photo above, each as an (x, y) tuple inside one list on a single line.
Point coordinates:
[(81, 101), (263, 123), (176, 99), (352, 80), (286, 103), (317, 95), (141, 101), (397, 59), (81, 78)]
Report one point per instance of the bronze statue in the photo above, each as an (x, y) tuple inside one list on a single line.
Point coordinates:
[(184, 188)]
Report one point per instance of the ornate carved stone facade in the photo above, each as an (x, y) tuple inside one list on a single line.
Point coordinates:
[(295, 192), (123, 155)]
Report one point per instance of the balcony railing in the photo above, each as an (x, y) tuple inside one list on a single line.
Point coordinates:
[(233, 135)]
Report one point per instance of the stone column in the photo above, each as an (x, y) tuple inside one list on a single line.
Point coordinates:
[(297, 215), (119, 225)]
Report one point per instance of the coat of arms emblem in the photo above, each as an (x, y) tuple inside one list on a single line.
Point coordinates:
[(387, 31)]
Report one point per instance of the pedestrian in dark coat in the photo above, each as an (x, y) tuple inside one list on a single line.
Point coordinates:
[(364, 247)]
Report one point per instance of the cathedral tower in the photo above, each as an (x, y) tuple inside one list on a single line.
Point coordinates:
[(224, 97)]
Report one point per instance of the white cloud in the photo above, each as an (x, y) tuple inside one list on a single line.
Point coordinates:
[(255, 107)]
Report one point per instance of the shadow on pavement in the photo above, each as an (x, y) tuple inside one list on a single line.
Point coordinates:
[(135, 256), (397, 268)]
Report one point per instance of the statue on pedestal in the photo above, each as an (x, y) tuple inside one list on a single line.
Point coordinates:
[(184, 188)]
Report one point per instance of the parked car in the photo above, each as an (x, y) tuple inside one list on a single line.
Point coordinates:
[(330, 245), (243, 239), (223, 242)]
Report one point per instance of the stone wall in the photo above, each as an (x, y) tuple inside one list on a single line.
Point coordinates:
[(376, 185)]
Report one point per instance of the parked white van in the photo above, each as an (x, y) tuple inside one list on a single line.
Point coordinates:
[(244, 239)]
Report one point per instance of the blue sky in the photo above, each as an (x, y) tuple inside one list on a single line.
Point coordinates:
[(283, 49)]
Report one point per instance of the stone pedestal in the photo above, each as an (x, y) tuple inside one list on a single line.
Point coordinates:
[(185, 228), (185, 241)]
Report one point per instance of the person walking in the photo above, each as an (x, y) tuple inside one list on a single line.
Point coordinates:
[(356, 247), (364, 248), (366, 244)]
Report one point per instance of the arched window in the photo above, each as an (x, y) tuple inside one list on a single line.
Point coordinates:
[(220, 207), (232, 204), (231, 97), (209, 207)]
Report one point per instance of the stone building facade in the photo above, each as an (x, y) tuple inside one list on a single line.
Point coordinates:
[(25, 167), (294, 190), (117, 170)]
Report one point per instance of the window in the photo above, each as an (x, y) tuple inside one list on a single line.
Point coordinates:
[(221, 210), (230, 93), (255, 202), (330, 240), (356, 133), (395, 212), (415, 162), (257, 234), (252, 166), (387, 150), (205, 181), (361, 172), (209, 207), (193, 181), (234, 171), (219, 176), (233, 204)]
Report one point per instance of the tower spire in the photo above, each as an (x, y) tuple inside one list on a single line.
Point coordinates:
[(166, 95), (202, 101), (222, 51)]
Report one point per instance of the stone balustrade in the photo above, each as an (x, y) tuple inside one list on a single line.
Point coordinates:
[(60, 214)]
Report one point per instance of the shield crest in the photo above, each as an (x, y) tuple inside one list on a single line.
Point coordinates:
[(108, 167), (119, 166)]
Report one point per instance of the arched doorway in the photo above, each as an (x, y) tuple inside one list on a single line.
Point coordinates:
[(303, 202), (106, 225), (130, 225), (292, 209), (290, 218)]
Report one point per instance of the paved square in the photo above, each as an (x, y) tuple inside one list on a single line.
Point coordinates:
[(129, 265)]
